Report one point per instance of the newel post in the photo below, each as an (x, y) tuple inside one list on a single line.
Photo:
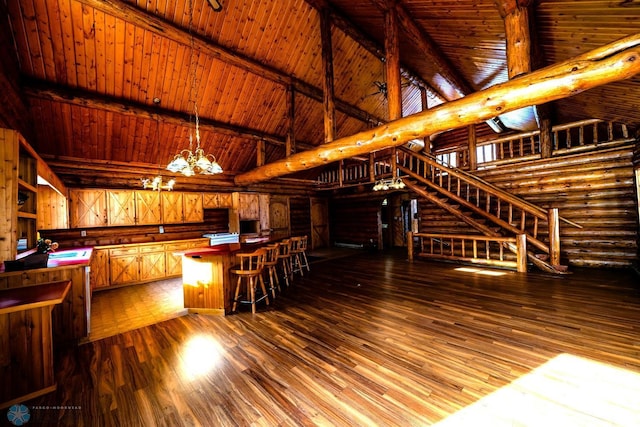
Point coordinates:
[(554, 237), (521, 253), (410, 245)]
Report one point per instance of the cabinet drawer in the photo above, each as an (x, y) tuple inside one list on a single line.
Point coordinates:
[(172, 247), (145, 249), (123, 251)]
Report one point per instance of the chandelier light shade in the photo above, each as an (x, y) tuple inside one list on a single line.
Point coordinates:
[(191, 162), (389, 184)]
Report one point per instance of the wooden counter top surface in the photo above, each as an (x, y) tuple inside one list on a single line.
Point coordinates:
[(28, 297), (75, 257)]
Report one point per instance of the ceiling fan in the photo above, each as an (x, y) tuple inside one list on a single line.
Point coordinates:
[(382, 89)]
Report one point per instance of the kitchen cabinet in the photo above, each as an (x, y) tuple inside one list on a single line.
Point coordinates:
[(172, 208), (121, 207), (100, 269), (263, 205), (18, 195), (130, 264), (88, 208), (217, 200), (192, 207), (249, 206), (148, 208)]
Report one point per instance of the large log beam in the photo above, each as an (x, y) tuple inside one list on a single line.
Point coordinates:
[(328, 104), (156, 25), (610, 63)]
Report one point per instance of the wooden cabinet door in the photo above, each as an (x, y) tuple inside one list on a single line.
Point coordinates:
[(192, 210), (225, 200), (279, 217), (171, 203), (99, 273), (173, 263), (124, 269), (121, 207), (152, 266), (148, 207), (319, 223), (88, 208), (249, 206), (263, 205), (210, 201)]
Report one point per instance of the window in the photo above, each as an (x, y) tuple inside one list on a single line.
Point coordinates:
[(448, 159), (486, 153)]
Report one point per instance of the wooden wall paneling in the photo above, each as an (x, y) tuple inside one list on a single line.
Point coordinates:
[(8, 194), (53, 209)]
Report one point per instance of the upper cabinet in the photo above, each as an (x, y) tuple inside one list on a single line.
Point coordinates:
[(18, 195), (249, 206), (217, 200), (101, 208), (88, 208)]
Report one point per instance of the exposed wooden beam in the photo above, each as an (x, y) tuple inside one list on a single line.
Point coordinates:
[(115, 105), (290, 142), (346, 26), (169, 30), (392, 64), (423, 42), (613, 62), (328, 104)]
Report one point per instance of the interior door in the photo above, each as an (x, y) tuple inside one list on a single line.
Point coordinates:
[(279, 217), (319, 223)]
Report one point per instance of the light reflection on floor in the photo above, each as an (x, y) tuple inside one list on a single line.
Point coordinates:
[(566, 391)]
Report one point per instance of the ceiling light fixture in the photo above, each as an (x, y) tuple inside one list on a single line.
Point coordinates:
[(189, 162), (157, 184), (389, 184)]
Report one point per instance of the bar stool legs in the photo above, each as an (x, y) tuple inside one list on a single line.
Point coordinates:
[(250, 268), (299, 255), (284, 258), (270, 263)]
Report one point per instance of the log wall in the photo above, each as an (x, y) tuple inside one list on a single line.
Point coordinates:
[(354, 220), (595, 190), (300, 216)]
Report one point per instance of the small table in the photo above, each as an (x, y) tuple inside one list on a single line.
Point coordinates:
[(26, 347)]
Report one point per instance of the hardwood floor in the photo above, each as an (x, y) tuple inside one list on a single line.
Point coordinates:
[(374, 340)]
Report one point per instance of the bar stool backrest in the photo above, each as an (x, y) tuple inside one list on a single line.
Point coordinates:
[(271, 255), (283, 248), (295, 244), (250, 263), (304, 243)]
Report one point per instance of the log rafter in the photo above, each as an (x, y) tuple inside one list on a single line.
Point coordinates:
[(613, 62), (169, 30), (115, 105)]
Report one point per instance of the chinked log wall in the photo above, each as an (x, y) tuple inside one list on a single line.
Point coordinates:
[(596, 190), (354, 220)]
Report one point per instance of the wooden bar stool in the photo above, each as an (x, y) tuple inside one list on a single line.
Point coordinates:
[(299, 254), (270, 263), (284, 258), (250, 266)]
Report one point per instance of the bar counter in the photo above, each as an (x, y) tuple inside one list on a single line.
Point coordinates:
[(207, 283)]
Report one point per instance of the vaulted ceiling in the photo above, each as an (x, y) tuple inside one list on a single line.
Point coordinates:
[(90, 70)]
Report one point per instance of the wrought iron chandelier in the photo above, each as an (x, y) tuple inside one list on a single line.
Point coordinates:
[(188, 161)]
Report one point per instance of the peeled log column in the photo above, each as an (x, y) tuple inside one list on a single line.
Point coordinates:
[(613, 62)]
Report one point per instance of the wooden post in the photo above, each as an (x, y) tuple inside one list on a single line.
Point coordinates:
[(290, 142), (392, 63), (410, 245), (260, 153), (473, 153), (328, 88), (425, 106), (554, 237), (372, 168), (521, 245), (546, 137)]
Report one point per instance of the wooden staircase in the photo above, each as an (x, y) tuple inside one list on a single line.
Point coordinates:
[(488, 209)]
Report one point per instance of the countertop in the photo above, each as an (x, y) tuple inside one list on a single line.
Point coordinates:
[(224, 248), (75, 257), (28, 297)]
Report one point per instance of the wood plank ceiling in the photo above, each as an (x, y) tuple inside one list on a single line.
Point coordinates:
[(92, 69)]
